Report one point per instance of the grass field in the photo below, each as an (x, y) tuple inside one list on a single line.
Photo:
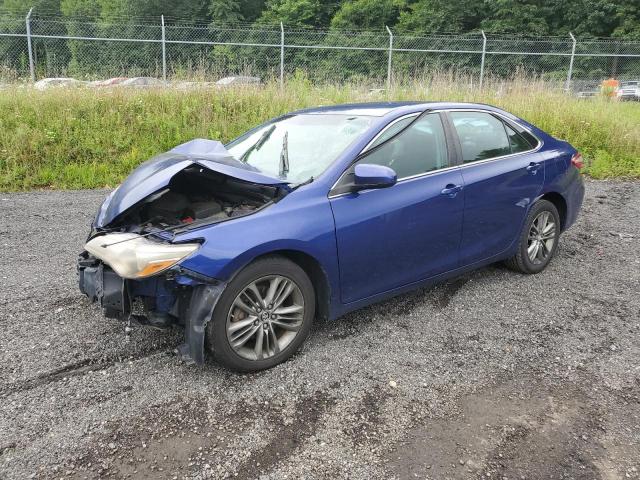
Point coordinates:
[(81, 138)]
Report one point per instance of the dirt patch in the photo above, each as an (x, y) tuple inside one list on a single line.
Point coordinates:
[(515, 430), (367, 421), (441, 296), (178, 437), (75, 369), (288, 437)]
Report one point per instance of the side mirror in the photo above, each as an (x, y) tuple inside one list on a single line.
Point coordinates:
[(367, 175)]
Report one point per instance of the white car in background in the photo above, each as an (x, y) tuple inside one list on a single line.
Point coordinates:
[(629, 90)]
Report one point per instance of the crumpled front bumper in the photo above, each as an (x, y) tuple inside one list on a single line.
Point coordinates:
[(103, 285), (186, 297)]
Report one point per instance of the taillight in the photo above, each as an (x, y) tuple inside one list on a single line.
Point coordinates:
[(577, 161)]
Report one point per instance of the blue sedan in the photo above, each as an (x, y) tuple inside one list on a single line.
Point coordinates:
[(320, 212)]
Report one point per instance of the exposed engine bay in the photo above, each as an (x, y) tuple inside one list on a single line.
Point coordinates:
[(131, 265), (197, 196)]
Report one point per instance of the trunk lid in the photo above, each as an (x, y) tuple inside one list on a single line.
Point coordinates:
[(156, 173)]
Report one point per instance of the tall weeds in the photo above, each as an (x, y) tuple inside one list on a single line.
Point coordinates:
[(88, 138)]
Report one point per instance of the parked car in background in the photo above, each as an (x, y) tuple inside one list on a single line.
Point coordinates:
[(588, 90), (321, 212), (629, 90), (588, 94)]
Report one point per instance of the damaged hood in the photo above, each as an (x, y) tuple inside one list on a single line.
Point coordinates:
[(155, 174)]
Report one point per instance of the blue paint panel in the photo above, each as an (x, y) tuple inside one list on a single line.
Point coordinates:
[(498, 195), (397, 235)]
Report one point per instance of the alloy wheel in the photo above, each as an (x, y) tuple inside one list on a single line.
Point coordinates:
[(265, 317), (542, 236)]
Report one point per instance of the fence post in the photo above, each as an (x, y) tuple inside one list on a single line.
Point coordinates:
[(573, 54), (484, 53), (390, 55), (281, 55), (164, 51), (32, 67)]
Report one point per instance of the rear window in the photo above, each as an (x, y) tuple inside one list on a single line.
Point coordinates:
[(517, 141), (481, 135)]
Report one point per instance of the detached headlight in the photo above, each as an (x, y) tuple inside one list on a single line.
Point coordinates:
[(133, 256)]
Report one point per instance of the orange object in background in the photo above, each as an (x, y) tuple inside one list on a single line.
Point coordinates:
[(609, 87)]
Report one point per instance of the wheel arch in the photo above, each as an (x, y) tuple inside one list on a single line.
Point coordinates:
[(313, 268), (561, 205)]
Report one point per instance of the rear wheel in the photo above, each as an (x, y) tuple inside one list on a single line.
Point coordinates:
[(263, 316), (538, 240)]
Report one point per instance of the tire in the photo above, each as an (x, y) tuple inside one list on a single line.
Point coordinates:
[(223, 340), (522, 261)]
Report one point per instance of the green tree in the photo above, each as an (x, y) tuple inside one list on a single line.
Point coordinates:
[(85, 54), (312, 13), (236, 10), (225, 11), (368, 14), (183, 11), (516, 16), (628, 20), (585, 18), (251, 9), (432, 16), (80, 8), (139, 19)]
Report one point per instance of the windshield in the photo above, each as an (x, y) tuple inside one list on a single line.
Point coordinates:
[(298, 147)]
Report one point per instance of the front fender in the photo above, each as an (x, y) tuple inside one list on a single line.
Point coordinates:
[(301, 223)]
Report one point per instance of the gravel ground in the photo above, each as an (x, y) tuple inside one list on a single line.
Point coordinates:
[(492, 375)]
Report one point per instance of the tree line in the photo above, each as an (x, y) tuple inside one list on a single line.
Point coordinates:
[(525, 18), (585, 18)]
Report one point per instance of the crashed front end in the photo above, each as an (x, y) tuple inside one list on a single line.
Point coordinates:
[(175, 296), (131, 263)]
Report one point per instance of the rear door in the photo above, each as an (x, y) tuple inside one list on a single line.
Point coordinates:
[(393, 236), (503, 173)]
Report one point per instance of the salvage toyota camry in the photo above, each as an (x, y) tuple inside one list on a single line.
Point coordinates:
[(320, 212)]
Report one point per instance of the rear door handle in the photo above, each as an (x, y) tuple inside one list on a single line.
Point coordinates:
[(451, 190), (533, 167)]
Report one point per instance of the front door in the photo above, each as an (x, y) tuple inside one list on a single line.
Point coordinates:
[(391, 237)]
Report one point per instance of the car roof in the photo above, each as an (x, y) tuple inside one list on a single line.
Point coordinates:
[(374, 109), (380, 109)]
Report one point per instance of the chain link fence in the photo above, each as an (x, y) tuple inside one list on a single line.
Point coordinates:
[(47, 46)]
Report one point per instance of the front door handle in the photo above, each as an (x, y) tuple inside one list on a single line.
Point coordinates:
[(451, 190), (533, 167)]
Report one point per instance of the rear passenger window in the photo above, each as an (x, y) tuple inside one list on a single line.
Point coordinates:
[(482, 136), (418, 149), (518, 142)]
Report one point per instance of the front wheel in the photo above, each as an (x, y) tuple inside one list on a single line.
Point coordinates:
[(538, 240), (263, 316)]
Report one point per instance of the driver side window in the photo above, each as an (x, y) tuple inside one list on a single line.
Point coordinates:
[(419, 149)]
